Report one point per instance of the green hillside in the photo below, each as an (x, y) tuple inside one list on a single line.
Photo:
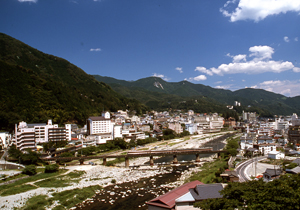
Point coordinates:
[(36, 86), (258, 100)]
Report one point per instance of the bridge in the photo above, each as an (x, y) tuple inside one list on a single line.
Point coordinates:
[(146, 153)]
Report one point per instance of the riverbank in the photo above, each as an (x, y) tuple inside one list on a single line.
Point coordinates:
[(107, 176)]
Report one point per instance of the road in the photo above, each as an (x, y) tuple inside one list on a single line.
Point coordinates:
[(241, 169)]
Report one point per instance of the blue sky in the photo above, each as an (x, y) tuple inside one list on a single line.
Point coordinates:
[(223, 44)]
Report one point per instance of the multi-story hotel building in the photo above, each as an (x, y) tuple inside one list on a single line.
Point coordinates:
[(28, 136), (99, 125), (101, 128)]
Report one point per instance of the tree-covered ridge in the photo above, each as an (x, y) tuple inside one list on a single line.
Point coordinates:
[(36, 86), (263, 102)]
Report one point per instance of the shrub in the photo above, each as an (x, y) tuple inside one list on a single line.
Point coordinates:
[(113, 181), (29, 170), (291, 165), (51, 168)]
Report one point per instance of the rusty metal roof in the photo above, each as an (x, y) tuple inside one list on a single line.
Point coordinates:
[(168, 200)]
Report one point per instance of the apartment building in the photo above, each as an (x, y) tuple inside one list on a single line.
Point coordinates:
[(99, 125), (102, 127), (176, 126), (28, 136), (295, 120), (249, 116)]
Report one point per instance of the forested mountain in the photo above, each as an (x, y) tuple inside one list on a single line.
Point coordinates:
[(264, 102), (36, 86)]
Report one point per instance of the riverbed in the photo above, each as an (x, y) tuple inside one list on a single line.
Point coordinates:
[(134, 195)]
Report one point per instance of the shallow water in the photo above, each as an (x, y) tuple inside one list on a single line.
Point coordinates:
[(135, 194)]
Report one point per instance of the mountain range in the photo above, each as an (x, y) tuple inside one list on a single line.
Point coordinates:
[(155, 92), (36, 87)]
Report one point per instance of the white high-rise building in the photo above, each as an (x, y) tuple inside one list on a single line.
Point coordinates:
[(27, 136), (99, 125), (5, 139), (295, 120)]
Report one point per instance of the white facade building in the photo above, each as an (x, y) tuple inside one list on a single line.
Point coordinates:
[(295, 120), (117, 131), (27, 136), (68, 132), (5, 139), (102, 128), (265, 148), (276, 155), (99, 125), (191, 128), (250, 116)]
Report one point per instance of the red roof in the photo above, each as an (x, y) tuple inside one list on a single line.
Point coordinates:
[(168, 200)]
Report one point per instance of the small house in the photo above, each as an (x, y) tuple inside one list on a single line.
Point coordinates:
[(276, 155)]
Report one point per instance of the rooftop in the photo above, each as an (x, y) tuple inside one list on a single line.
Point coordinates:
[(168, 200)]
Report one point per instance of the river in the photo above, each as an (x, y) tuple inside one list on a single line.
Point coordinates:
[(134, 195)]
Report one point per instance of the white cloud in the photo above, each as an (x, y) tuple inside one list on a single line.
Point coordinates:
[(198, 78), (203, 70), (161, 76), (33, 1), (261, 52), (286, 39), (95, 50), (260, 63), (243, 80), (218, 82), (223, 86), (284, 87), (253, 67), (179, 69), (296, 69), (296, 39), (239, 58), (258, 10)]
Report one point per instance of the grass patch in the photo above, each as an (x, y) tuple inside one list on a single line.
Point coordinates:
[(210, 172), (37, 203), (115, 161), (70, 198), (17, 189), (13, 178), (53, 182), (75, 174), (172, 144), (61, 181), (33, 178), (144, 149)]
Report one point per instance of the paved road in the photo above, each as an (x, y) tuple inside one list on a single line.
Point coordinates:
[(241, 169)]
